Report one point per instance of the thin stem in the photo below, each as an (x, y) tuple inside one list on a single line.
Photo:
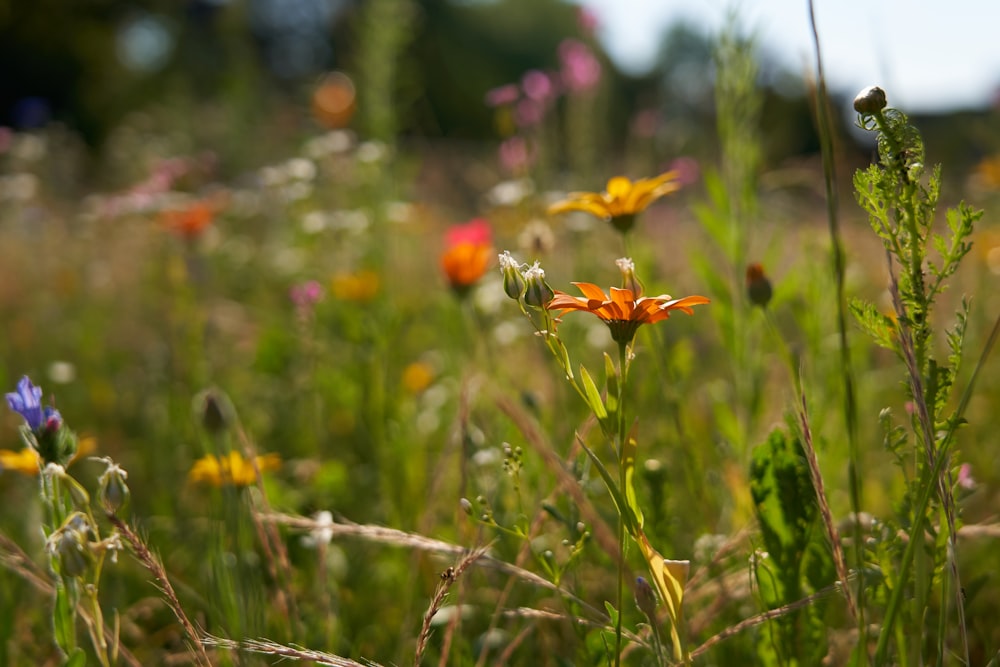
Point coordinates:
[(623, 376), (839, 271)]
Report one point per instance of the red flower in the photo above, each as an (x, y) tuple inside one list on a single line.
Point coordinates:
[(467, 255)]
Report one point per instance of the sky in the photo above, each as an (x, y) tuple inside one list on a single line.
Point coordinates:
[(928, 55)]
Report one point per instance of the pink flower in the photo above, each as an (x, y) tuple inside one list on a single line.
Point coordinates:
[(503, 95), (587, 21), (516, 155), (305, 296), (528, 113), (687, 168), (475, 232), (581, 70), (965, 477), (537, 85)]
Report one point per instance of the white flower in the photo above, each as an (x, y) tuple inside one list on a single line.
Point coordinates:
[(322, 531)]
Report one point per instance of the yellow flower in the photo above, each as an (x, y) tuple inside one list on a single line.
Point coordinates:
[(622, 312), (623, 200), (232, 469), (358, 287), (417, 377), (25, 461)]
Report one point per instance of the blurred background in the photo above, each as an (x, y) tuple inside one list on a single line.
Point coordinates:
[(90, 64)]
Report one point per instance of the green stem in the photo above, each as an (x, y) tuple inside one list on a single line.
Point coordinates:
[(623, 376)]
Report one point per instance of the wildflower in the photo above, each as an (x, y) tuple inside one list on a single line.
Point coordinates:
[(537, 292), (587, 21), (27, 402), (188, 223), (965, 479), (333, 101), (758, 286), (417, 376), (502, 96), (24, 461), (43, 428), (359, 287), (516, 155), (232, 469), (580, 69), (27, 461), (622, 201), (622, 311), (537, 85), (467, 254), (305, 296)]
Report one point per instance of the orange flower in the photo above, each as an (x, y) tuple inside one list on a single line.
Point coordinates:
[(468, 254), (623, 200), (622, 312), (334, 100), (191, 222)]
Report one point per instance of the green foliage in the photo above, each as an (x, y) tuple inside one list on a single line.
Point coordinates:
[(901, 208), (797, 560)]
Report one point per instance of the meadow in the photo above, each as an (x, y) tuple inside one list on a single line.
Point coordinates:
[(334, 397)]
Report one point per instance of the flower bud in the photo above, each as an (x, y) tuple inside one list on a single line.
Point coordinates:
[(513, 280), (645, 598), (213, 410), (68, 546), (113, 492), (758, 286), (870, 100), (466, 506), (537, 292), (629, 280)]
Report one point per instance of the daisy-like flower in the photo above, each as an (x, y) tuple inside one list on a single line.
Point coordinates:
[(232, 469), (622, 311), (622, 201)]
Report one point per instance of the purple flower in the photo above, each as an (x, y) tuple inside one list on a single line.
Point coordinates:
[(27, 402)]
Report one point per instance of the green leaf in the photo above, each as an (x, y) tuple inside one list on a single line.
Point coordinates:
[(611, 376), (880, 327), (593, 395), (616, 497), (612, 612), (64, 616), (77, 658), (629, 450)]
